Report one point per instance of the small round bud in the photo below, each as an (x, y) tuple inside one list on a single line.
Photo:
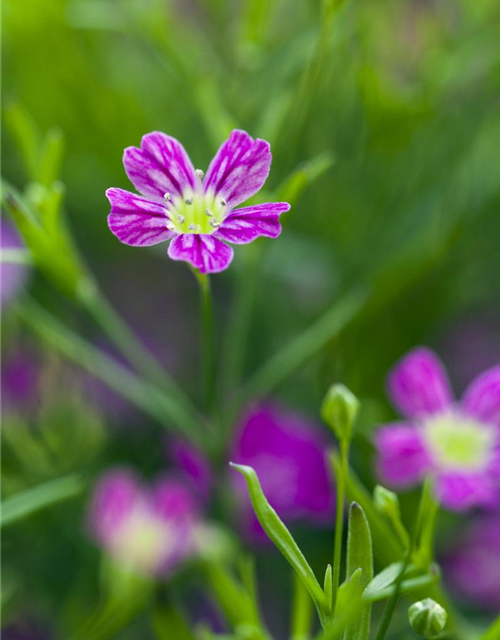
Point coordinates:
[(386, 502), (427, 618), (339, 410)]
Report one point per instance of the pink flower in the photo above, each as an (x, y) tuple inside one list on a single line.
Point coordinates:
[(197, 213), (288, 454), (456, 443), (148, 529)]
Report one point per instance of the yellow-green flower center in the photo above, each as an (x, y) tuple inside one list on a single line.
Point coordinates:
[(196, 211), (456, 441)]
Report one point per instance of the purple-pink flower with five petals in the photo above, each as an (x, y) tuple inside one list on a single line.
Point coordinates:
[(457, 444), (195, 211)]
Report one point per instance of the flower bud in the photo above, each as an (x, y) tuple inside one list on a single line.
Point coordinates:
[(386, 502), (339, 410), (427, 618)]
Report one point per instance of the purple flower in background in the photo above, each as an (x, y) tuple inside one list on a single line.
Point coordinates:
[(148, 529), (288, 454), (456, 443), (473, 566), (14, 275), (193, 465), (197, 213)]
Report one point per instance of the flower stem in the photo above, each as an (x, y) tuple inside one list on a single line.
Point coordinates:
[(341, 482), (207, 339)]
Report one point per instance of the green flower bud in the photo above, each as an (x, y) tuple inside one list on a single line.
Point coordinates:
[(339, 410), (427, 618), (386, 502)]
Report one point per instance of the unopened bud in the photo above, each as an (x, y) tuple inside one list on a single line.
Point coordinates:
[(386, 502), (427, 618), (339, 410)]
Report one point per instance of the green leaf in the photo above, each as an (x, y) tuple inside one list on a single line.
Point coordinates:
[(26, 135), (328, 586), (407, 586), (348, 607), (493, 633), (303, 176), (359, 556), (44, 495), (306, 345), (232, 597), (383, 579), (51, 156), (302, 610), (282, 538), (169, 623)]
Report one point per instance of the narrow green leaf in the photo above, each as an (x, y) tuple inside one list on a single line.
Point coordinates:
[(169, 623), (407, 586), (306, 345), (51, 156), (231, 596), (493, 633), (348, 607), (328, 586), (303, 176), (383, 579), (359, 556), (44, 495), (26, 135), (302, 610), (282, 538)]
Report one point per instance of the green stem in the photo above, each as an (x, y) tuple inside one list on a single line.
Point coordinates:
[(208, 340), (341, 482), (427, 511), (302, 611)]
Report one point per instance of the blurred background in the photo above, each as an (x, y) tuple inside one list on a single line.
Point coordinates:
[(384, 123)]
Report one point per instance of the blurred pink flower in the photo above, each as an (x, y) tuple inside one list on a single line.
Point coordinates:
[(151, 529), (288, 454), (456, 443)]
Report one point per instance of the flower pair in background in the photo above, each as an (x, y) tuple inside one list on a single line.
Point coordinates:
[(457, 444), (195, 211)]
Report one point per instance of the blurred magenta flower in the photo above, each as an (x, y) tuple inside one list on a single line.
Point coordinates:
[(288, 454), (457, 444), (193, 465), (148, 529), (14, 276), (198, 213), (472, 569)]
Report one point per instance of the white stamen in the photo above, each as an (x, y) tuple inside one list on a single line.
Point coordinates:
[(170, 226), (223, 202), (181, 219), (214, 223), (188, 200), (166, 196), (209, 213), (192, 227), (199, 174)]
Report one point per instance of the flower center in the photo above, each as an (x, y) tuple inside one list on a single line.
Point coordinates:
[(197, 211), (457, 441)]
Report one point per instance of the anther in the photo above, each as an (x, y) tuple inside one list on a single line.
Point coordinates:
[(166, 196), (223, 202), (170, 226), (214, 223), (181, 219), (199, 173), (188, 200), (192, 227), (209, 213)]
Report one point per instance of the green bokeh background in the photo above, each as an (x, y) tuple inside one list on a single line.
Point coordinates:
[(399, 101)]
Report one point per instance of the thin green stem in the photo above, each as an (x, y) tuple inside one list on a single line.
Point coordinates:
[(427, 510), (341, 482), (207, 340)]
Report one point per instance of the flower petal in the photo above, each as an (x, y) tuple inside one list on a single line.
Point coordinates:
[(161, 165), (203, 251), (115, 496), (418, 385), (246, 224), (482, 397), (135, 220), (239, 169), (459, 491), (402, 458)]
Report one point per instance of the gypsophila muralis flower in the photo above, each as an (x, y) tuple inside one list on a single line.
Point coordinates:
[(456, 443), (196, 211)]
